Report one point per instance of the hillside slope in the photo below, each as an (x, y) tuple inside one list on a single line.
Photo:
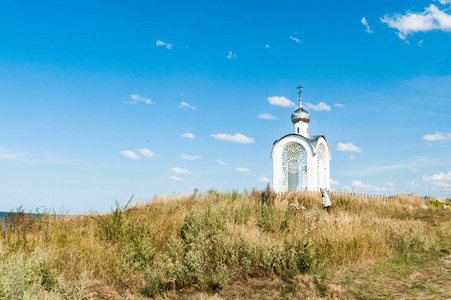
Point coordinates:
[(234, 246)]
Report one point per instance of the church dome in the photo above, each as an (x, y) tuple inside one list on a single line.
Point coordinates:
[(299, 115)]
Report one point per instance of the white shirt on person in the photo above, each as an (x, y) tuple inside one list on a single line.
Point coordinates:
[(326, 199)]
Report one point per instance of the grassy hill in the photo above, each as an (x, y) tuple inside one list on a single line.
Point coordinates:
[(256, 245)]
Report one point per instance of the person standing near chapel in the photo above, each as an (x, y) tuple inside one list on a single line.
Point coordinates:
[(326, 200)]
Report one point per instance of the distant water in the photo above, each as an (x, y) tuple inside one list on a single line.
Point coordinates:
[(4, 213)]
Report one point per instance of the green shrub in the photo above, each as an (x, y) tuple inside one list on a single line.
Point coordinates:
[(219, 278), (193, 225), (32, 278), (268, 218), (111, 226)]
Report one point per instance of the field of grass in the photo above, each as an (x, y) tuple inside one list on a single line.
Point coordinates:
[(257, 245)]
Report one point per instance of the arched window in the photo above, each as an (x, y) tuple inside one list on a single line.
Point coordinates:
[(294, 168), (321, 163)]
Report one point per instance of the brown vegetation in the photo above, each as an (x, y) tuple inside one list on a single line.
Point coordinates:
[(220, 245)]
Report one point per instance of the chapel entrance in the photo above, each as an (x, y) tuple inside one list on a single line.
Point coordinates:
[(294, 167)]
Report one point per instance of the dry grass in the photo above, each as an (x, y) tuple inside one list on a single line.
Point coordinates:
[(218, 245)]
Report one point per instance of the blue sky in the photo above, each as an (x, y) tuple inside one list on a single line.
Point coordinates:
[(102, 100)]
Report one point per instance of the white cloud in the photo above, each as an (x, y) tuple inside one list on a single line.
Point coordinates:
[(267, 117), (184, 104), (242, 170), (176, 178), (281, 101), (180, 171), (351, 157), (367, 187), (222, 163), (432, 18), (146, 152), (265, 180), (136, 98), (188, 135), (364, 22), (441, 179), (444, 2), (129, 154), (359, 184), (231, 55), (437, 136), (295, 39), (348, 147), (334, 182), (167, 45), (339, 105), (420, 43), (189, 157), (318, 107), (414, 170), (237, 138), (267, 46)]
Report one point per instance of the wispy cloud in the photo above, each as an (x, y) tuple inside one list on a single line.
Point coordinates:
[(267, 46), (40, 157), (432, 18), (222, 162), (167, 45), (6, 154), (180, 171), (334, 182), (129, 154), (318, 107), (339, 105), (237, 138), (231, 55), (367, 187), (414, 170), (437, 136), (364, 22), (348, 147), (365, 169), (265, 180), (267, 117), (295, 39), (137, 98), (146, 152), (281, 101), (189, 157), (176, 178), (390, 184), (242, 170), (184, 104), (188, 135)]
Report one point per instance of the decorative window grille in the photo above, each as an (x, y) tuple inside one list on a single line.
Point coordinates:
[(294, 168), (321, 163)]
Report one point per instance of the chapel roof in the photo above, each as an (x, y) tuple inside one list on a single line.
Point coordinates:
[(312, 140)]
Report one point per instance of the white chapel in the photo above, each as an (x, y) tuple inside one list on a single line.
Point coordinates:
[(301, 162)]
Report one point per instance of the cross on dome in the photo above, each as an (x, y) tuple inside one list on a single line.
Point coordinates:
[(300, 90)]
